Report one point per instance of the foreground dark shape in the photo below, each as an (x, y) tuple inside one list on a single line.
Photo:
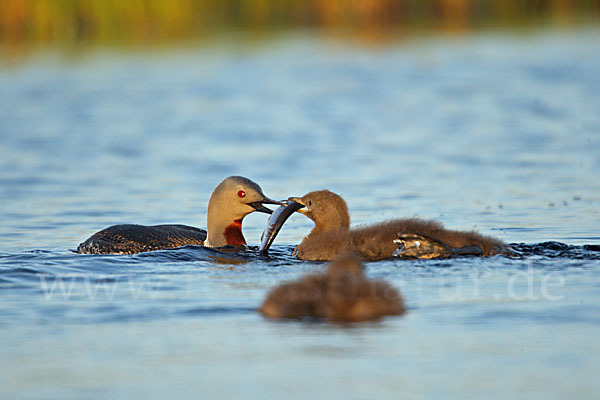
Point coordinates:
[(404, 238), (342, 294), (230, 202)]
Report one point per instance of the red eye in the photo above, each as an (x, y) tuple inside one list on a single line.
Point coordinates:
[(241, 193)]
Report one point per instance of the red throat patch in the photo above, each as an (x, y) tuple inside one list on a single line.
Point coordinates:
[(233, 233)]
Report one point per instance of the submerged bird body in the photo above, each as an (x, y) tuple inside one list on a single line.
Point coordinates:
[(233, 199), (342, 294), (411, 238)]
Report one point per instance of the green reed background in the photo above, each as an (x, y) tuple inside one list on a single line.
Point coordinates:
[(35, 22)]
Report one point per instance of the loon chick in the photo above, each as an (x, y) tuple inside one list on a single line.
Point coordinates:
[(342, 294), (229, 203), (407, 238)]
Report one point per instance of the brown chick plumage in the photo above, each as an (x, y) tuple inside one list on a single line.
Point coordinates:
[(342, 294), (332, 234)]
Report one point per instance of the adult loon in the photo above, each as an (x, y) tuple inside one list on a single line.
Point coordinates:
[(233, 199)]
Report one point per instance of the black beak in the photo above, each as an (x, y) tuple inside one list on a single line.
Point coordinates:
[(258, 205)]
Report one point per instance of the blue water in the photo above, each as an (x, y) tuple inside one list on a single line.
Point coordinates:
[(494, 132)]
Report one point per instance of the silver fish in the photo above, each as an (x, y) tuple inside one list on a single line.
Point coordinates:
[(274, 224)]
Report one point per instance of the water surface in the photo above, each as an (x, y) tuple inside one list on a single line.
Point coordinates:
[(498, 133)]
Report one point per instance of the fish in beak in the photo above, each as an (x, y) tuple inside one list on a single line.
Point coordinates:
[(276, 221)]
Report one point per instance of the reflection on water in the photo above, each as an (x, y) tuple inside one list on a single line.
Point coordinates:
[(496, 132)]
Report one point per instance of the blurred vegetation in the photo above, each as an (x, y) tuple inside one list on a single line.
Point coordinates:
[(39, 22)]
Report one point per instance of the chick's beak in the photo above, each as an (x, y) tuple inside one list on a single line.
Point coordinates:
[(302, 209)]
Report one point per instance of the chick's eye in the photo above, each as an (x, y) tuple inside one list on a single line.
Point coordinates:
[(241, 193), (309, 203)]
